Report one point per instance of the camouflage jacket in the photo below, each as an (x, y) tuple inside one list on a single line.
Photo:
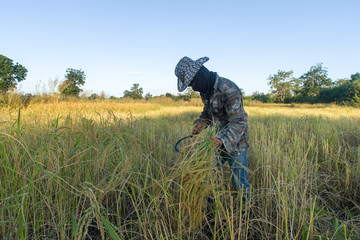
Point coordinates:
[(225, 110)]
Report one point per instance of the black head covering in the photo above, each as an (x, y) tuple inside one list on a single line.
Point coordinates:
[(204, 82)]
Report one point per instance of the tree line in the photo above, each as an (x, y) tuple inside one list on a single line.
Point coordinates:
[(11, 74), (313, 86)]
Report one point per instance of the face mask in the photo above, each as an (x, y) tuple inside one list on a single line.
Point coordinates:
[(199, 86), (200, 83)]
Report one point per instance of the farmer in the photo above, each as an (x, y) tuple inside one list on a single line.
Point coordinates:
[(223, 107)]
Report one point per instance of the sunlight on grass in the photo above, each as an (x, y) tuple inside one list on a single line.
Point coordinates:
[(108, 170)]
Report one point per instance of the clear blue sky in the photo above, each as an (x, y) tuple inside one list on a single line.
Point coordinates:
[(119, 43)]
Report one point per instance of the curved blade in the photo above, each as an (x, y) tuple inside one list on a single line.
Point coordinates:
[(176, 145)]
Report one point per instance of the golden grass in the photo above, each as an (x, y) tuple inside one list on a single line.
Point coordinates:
[(139, 109), (108, 170), (320, 110)]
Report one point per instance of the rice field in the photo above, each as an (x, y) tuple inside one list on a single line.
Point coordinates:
[(108, 170)]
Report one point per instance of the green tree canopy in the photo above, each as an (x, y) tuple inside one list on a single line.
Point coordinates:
[(281, 83), (355, 77), (148, 96), (314, 80), (10, 74), (341, 81), (352, 92), (135, 92), (262, 97), (191, 93), (74, 78)]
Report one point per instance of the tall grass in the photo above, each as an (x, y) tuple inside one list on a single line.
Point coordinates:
[(100, 171)]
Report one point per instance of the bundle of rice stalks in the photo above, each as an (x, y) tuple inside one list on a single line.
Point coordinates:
[(197, 171)]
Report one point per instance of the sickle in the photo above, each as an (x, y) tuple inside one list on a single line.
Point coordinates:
[(176, 145)]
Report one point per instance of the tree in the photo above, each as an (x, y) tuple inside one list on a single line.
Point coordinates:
[(169, 95), (74, 78), (281, 83), (314, 80), (10, 74), (135, 92), (189, 92), (354, 92), (262, 97), (341, 81), (355, 77), (242, 91), (148, 96), (95, 96)]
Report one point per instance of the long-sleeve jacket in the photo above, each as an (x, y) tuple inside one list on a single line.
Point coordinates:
[(225, 109)]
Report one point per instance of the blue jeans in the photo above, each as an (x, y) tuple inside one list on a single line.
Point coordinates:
[(238, 165)]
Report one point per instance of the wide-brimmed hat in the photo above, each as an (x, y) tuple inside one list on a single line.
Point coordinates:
[(186, 70)]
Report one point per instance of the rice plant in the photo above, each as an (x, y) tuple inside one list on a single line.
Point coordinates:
[(109, 171)]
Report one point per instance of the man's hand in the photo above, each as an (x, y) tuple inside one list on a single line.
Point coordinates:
[(217, 141), (197, 129)]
